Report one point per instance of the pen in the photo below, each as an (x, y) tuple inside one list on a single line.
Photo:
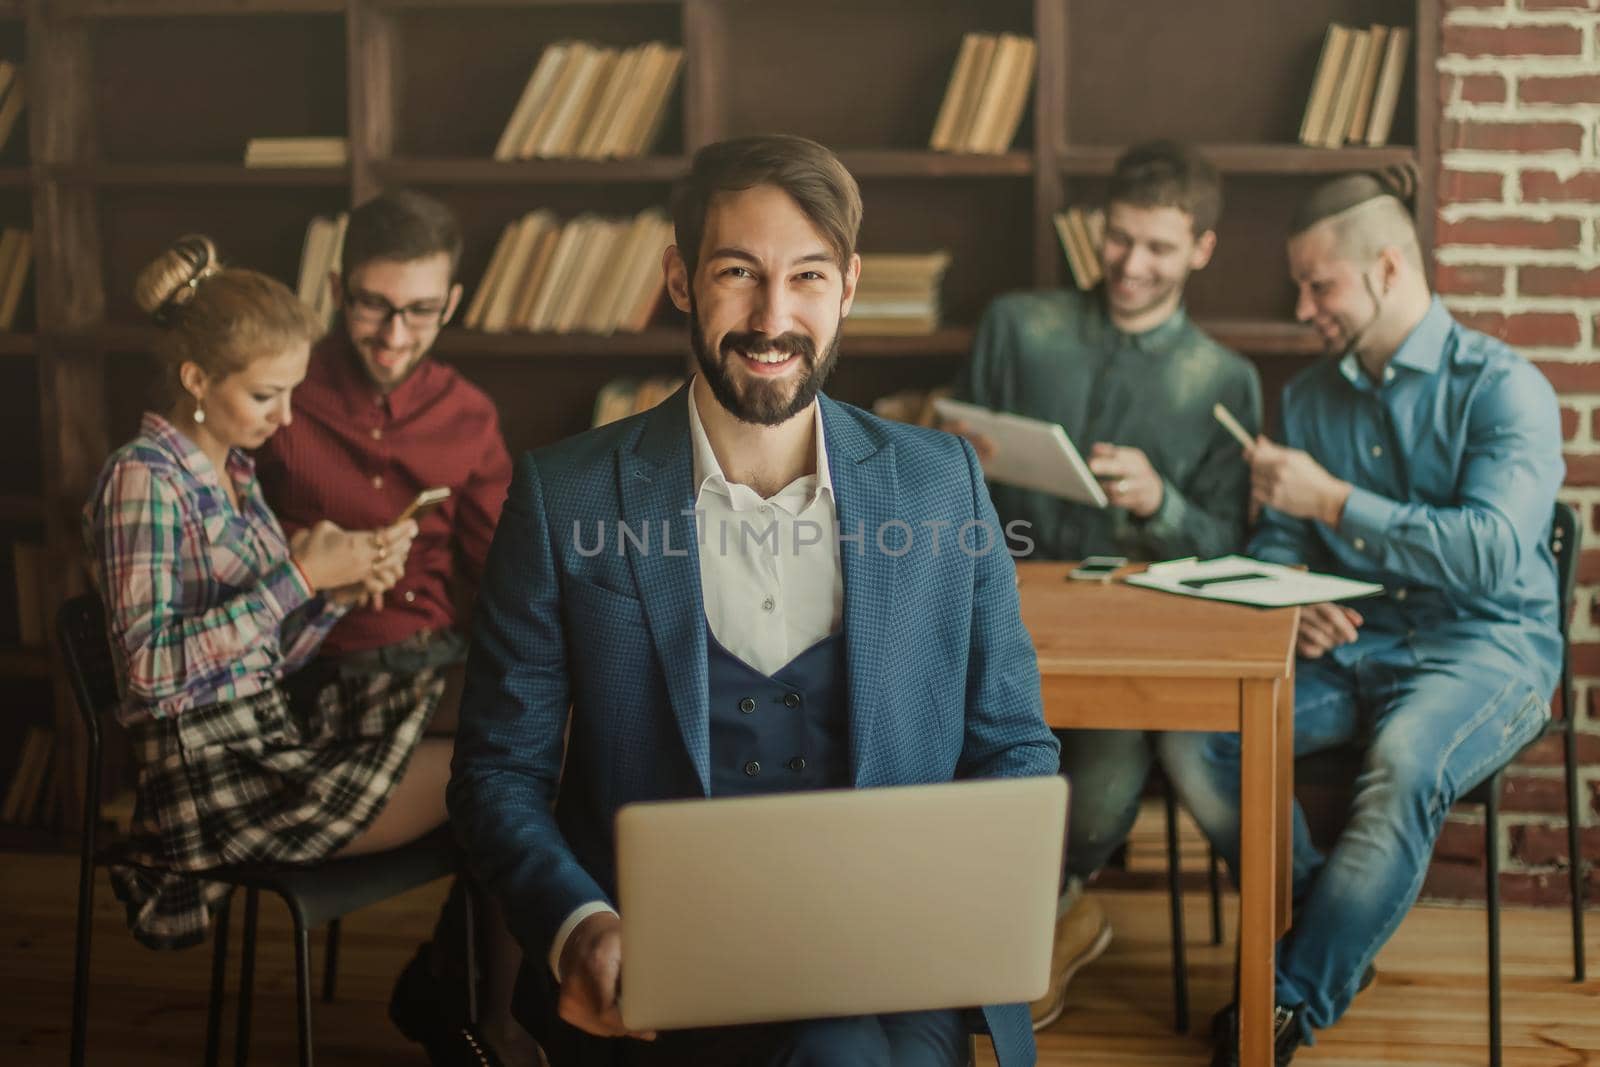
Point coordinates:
[(1231, 424)]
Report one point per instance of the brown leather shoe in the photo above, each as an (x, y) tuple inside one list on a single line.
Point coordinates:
[(1082, 934)]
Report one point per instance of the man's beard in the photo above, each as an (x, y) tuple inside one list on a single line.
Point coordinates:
[(758, 401)]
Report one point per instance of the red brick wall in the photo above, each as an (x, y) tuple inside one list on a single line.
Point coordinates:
[(1518, 255)]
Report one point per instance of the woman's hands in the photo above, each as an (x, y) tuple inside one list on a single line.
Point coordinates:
[(353, 567)]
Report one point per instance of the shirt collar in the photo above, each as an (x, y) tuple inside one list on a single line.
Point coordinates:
[(1421, 351), (1158, 339), (189, 456), (708, 472), (343, 370)]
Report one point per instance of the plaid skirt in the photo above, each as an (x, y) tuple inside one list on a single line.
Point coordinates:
[(260, 780)]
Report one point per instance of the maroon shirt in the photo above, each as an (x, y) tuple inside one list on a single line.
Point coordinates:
[(356, 457)]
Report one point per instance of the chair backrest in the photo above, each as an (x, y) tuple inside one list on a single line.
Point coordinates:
[(81, 629), (1566, 541)]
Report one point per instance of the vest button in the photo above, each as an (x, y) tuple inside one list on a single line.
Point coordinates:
[(752, 769), (747, 705), (791, 700), (797, 764)]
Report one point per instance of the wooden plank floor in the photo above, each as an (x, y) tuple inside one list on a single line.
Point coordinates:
[(148, 1008)]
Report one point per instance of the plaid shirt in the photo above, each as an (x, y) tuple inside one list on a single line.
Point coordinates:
[(202, 600)]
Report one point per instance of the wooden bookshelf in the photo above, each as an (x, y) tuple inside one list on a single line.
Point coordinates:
[(112, 159), (479, 171), (190, 175)]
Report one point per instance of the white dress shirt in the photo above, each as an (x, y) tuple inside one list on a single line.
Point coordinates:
[(770, 574)]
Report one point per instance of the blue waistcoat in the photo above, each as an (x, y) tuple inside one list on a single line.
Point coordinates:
[(778, 733)]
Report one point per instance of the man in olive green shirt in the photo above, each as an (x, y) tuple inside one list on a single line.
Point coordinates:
[(1132, 380)]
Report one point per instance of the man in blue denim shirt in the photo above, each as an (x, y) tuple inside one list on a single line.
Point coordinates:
[(1426, 458)]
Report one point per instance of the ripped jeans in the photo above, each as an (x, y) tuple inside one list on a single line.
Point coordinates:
[(1432, 729)]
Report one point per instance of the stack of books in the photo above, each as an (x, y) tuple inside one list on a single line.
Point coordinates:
[(898, 293), (1356, 87), (11, 99), (583, 101), (29, 795), (16, 259), (320, 255), (33, 621), (592, 274), (297, 152), (1082, 232), (627, 396), (987, 93), (914, 406)]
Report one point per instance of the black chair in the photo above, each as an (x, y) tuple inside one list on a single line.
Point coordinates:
[(314, 894), (1335, 770)]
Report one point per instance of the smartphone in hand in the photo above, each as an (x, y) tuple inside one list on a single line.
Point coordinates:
[(424, 500)]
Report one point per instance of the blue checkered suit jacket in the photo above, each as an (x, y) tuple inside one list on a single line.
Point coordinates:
[(942, 684)]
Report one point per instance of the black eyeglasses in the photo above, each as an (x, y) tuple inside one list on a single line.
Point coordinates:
[(370, 309)]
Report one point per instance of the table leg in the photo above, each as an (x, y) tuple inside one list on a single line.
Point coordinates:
[(1284, 812), (1258, 875)]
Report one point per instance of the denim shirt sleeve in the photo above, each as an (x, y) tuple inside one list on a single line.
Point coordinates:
[(1511, 469)]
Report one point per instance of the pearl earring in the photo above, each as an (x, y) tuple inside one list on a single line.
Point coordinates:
[(199, 414)]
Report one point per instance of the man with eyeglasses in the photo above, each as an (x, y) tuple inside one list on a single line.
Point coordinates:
[(375, 422)]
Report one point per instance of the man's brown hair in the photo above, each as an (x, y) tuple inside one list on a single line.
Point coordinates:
[(812, 176), (401, 225), (1168, 174)]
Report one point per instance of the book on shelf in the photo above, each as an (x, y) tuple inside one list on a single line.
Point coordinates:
[(13, 95), (1081, 233), (33, 623), (583, 101), (898, 293), (27, 791), (986, 95), (622, 397), (590, 275), (1367, 83), (1386, 95), (320, 256), (1344, 99), (1356, 86), (297, 152), (16, 260), (1324, 84)]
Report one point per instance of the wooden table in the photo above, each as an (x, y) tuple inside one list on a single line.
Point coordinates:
[(1113, 656)]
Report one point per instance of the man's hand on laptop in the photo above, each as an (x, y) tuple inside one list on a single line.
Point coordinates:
[(591, 969)]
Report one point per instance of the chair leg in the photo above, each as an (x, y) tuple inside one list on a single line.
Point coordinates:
[(1491, 826), (330, 962), (219, 980), (470, 933), (80, 966), (302, 984), (1575, 854), (1180, 964), (247, 977), (1214, 878)]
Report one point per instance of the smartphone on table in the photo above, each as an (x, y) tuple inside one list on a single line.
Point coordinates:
[(1097, 568), (424, 500)]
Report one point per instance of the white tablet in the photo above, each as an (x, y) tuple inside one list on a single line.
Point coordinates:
[(1029, 453)]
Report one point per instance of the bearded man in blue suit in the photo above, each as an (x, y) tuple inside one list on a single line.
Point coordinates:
[(751, 588)]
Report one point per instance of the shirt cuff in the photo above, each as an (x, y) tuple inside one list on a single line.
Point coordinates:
[(1366, 518), (580, 913), (1166, 521), (286, 588)]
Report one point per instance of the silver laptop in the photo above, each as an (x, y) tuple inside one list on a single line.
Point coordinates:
[(844, 902)]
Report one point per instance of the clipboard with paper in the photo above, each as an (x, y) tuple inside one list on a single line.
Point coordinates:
[(1254, 582), (1032, 453)]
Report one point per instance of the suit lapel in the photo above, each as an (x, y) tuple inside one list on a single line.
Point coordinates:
[(866, 495), (657, 494)]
